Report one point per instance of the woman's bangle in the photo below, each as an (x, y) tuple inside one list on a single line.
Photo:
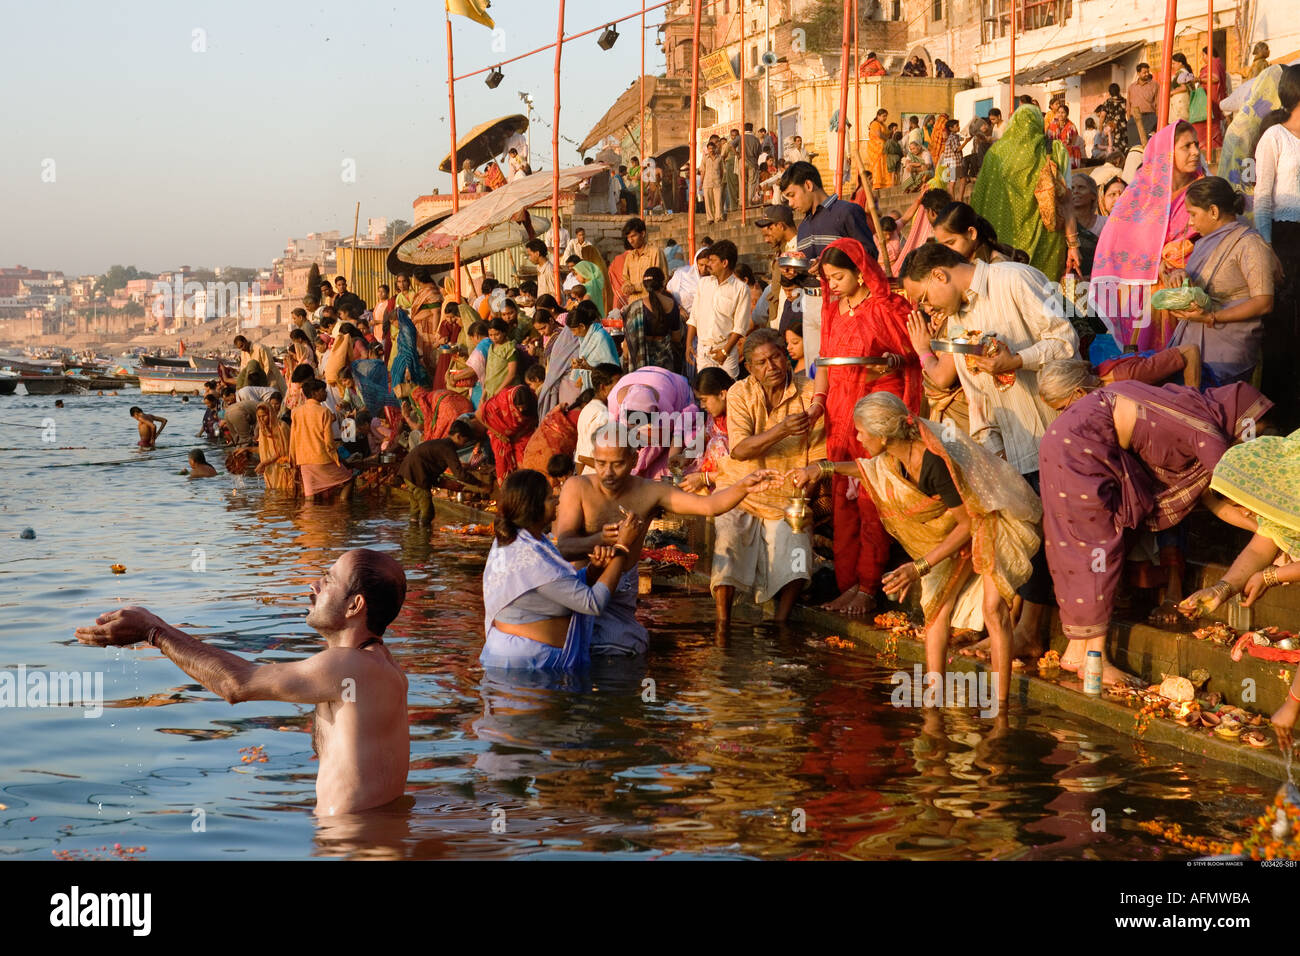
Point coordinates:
[(623, 550), (1224, 590), (1270, 576), (826, 467), (1290, 693), (922, 356), (922, 566)]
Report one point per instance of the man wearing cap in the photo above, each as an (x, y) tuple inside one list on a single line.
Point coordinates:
[(777, 223)]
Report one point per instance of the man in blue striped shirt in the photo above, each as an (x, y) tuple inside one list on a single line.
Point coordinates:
[(825, 217)]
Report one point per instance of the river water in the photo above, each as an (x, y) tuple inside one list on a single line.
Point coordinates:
[(769, 745)]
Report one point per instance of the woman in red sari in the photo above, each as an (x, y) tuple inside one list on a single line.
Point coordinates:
[(448, 333), (439, 408), (510, 417), (860, 317)]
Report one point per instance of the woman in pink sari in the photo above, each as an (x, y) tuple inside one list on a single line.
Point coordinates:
[(1147, 237)]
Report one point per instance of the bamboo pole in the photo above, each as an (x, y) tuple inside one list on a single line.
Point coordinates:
[(1015, 14), (555, 146), (1166, 66), (744, 166), (872, 210), (843, 129), (641, 128), (352, 260), (455, 171), (694, 130), (857, 89), (1209, 83)]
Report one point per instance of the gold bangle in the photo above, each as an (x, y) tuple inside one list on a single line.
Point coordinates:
[(922, 566), (622, 549), (827, 469), (1270, 576)]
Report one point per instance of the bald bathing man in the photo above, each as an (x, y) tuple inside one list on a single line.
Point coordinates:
[(360, 732), (588, 516)]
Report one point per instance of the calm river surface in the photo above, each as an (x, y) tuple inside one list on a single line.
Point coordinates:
[(741, 743)]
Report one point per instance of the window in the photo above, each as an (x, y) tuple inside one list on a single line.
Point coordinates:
[(1031, 15), (936, 10)]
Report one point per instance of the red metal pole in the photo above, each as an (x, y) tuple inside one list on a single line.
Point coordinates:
[(844, 99), (744, 166), (555, 147), (1209, 83), (1015, 11), (857, 86), (641, 128), (455, 183), (1166, 67), (694, 132)]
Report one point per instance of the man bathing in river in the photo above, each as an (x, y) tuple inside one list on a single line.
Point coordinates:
[(360, 731), (590, 509), (151, 426)]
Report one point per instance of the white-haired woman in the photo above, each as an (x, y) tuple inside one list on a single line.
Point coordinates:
[(966, 517)]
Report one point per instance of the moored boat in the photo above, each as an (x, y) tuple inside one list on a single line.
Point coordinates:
[(181, 381), (8, 382)]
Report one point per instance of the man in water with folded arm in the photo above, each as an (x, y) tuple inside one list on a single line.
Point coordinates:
[(360, 731), (591, 507)]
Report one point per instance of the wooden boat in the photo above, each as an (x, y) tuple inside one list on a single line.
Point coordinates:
[(8, 382), (169, 380), (179, 362), (38, 383)]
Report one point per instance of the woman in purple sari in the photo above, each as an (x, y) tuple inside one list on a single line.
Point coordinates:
[(1235, 267), (1118, 458), (1146, 236), (649, 392)]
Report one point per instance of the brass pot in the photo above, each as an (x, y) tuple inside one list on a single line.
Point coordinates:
[(798, 514)]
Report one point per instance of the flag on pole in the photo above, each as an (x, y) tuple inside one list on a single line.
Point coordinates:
[(476, 10), (180, 349)]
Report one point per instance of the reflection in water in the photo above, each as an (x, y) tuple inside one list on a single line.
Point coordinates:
[(766, 745)]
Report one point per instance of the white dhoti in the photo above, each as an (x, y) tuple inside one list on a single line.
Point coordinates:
[(763, 555), (617, 631)]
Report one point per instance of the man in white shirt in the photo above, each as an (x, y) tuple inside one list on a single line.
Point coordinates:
[(1017, 304), (576, 245), (556, 239), (594, 416), (686, 282), (721, 317), (535, 249)]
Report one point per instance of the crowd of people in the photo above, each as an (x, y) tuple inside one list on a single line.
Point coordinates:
[(1006, 402)]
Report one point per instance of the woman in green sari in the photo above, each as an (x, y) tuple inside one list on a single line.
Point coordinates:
[(1262, 477), (594, 280), (502, 366), (1025, 199)]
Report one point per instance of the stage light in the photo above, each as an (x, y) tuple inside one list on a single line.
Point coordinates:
[(494, 78), (607, 38)]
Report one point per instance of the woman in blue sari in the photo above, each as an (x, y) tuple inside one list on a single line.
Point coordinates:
[(596, 346), (538, 610), (405, 370)]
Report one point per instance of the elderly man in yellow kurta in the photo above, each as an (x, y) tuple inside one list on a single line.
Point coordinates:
[(248, 352), (767, 427)]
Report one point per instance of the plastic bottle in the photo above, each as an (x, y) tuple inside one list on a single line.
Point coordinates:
[(1092, 674)]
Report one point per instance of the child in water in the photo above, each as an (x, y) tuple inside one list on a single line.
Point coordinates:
[(211, 417), (149, 431), (199, 467)]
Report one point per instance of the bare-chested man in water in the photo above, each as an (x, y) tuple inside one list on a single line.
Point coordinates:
[(151, 426), (360, 731), (591, 507)]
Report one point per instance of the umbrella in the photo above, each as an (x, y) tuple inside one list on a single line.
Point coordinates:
[(486, 140), (495, 209), (678, 155), (412, 250)]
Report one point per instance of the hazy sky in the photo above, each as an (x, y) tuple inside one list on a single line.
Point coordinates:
[(163, 156)]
